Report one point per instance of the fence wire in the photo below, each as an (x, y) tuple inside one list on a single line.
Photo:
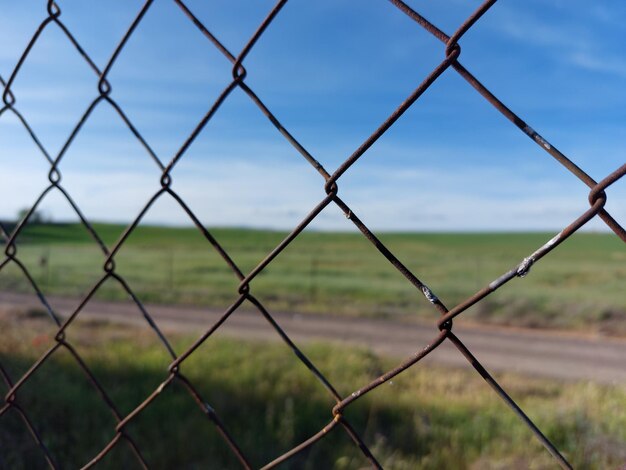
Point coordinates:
[(330, 189)]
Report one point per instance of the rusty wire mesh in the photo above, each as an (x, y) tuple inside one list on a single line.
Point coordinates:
[(330, 189)]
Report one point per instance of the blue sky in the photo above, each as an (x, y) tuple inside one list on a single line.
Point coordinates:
[(331, 71)]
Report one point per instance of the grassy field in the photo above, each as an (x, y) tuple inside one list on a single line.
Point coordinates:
[(426, 418), (580, 285)]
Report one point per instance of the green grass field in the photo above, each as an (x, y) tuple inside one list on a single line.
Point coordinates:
[(426, 418), (580, 285)]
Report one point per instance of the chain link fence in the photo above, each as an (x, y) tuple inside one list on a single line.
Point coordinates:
[(329, 190)]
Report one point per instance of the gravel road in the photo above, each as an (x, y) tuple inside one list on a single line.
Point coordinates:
[(538, 353)]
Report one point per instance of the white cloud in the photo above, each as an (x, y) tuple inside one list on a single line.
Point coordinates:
[(244, 193), (599, 63), (575, 42)]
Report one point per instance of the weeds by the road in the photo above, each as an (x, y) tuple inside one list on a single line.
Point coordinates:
[(427, 418)]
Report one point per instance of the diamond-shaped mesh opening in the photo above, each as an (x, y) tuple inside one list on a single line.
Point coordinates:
[(191, 69), (340, 274), (53, 111), (315, 89), (106, 170), (409, 168), (241, 172)]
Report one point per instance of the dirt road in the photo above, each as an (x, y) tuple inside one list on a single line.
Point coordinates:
[(537, 353)]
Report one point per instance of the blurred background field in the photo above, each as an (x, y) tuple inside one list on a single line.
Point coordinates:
[(579, 286), (427, 418)]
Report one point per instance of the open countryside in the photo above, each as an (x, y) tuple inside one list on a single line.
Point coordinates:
[(578, 287)]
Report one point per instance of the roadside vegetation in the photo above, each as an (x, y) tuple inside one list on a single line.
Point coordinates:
[(578, 286), (426, 418)]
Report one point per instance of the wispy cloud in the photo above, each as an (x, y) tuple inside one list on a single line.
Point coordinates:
[(245, 193), (577, 43), (598, 62)]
